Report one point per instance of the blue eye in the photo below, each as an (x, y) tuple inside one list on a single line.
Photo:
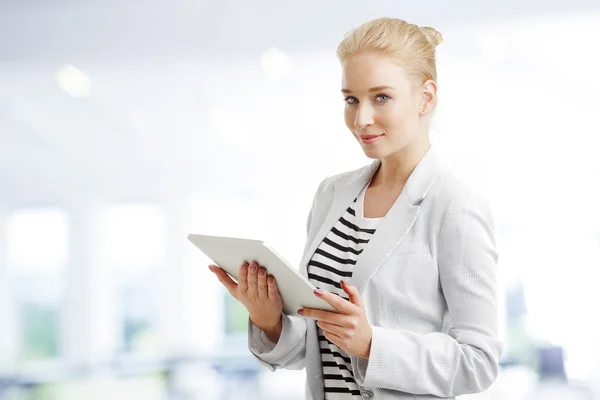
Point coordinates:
[(351, 100), (382, 98)]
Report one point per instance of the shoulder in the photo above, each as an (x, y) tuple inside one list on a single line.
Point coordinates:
[(450, 195), (449, 189), (332, 182)]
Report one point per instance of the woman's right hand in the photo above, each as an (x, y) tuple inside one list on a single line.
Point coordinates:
[(257, 291)]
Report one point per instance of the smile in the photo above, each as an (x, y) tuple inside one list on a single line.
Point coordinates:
[(368, 139)]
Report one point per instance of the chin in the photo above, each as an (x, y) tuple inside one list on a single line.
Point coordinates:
[(382, 149), (374, 153)]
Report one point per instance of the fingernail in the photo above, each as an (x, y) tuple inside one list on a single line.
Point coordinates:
[(211, 268), (318, 292), (261, 272), (300, 312), (253, 267)]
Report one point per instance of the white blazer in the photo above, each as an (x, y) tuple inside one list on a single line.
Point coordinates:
[(427, 280)]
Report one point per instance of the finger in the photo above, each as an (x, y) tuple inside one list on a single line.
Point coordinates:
[(224, 278), (353, 294), (333, 338), (272, 284), (253, 278), (263, 290), (327, 316), (243, 277), (338, 331), (342, 305)]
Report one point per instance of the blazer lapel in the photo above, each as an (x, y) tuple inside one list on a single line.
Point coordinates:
[(345, 191), (392, 229), (389, 234), (398, 221)]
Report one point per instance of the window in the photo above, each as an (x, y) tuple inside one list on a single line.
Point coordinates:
[(239, 215), (37, 242), (37, 247), (132, 237)]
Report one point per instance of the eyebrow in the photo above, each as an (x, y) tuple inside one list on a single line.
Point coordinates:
[(373, 89)]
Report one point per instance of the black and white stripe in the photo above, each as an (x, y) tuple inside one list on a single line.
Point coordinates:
[(333, 261)]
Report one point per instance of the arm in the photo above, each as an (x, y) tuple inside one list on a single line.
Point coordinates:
[(289, 351), (466, 359)]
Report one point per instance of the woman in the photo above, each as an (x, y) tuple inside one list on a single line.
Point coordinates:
[(400, 248)]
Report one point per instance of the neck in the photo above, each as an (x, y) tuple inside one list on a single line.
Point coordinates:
[(396, 168)]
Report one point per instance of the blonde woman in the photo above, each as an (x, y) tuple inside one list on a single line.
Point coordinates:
[(400, 248)]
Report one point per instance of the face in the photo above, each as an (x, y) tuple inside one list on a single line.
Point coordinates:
[(385, 109)]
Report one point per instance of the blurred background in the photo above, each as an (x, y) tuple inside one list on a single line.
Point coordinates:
[(124, 126)]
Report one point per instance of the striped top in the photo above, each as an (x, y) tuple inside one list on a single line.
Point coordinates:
[(333, 261)]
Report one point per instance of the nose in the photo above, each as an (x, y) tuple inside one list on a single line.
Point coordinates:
[(364, 116)]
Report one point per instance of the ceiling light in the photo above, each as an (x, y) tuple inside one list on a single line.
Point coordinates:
[(73, 82), (276, 64)]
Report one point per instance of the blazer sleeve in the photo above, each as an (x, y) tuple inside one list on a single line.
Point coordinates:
[(290, 351), (465, 360)]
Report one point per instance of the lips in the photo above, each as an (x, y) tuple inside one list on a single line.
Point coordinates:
[(367, 137)]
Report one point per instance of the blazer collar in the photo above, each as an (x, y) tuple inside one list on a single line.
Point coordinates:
[(418, 184), (397, 223)]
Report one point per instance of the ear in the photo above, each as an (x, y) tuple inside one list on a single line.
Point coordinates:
[(428, 97)]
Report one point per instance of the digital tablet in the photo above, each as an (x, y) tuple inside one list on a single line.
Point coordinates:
[(229, 254)]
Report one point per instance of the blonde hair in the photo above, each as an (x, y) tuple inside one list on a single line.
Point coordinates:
[(411, 45)]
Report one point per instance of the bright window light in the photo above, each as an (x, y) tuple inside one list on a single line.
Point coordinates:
[(132, 236), (38, 242)]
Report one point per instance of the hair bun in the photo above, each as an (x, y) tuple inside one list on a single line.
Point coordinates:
[(432, 35)]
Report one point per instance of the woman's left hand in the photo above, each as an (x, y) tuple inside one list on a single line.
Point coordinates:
[(350, 329)]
